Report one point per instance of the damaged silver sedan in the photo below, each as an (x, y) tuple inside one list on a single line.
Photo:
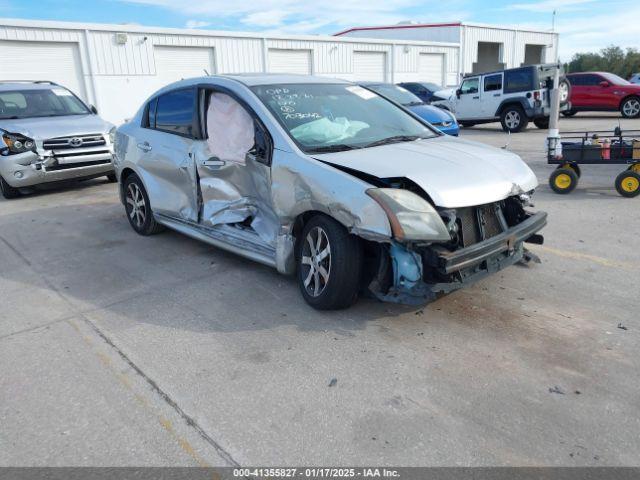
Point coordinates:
[(325, 180)]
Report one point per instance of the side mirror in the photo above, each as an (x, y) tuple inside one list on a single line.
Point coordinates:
[(93, 109), (604, 84), (458, 92)]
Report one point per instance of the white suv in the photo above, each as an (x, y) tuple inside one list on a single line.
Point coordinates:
[(514, 96)]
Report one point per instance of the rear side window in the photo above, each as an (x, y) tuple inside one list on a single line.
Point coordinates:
[(149, 120), (492, 83), (175, 112), (518, 80)]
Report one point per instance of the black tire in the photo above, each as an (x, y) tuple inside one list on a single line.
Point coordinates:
[(467, 124), (112, 178), (628, 184), (513, 119), (7, 190), (338, 287), (569, 113), (563, 180), (141, 220), (542, 123), (630, 107), (575, 167)]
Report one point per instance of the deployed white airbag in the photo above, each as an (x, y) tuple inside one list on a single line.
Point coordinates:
[(230, 129), (325, 131)]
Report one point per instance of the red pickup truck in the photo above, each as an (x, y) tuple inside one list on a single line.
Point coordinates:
[(603, 92)]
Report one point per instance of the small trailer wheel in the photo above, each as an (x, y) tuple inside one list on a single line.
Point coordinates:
[(628, 184), (563, 180)]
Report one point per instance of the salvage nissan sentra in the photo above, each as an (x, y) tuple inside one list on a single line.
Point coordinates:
[(327, 180)]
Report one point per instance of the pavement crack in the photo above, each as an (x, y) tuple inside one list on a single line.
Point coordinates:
[(189, 420)]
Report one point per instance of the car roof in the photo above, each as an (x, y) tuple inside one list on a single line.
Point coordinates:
[(26, 85)]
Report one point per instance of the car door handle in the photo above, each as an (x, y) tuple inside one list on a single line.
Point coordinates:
[(496, 94), (145, 147), (213, 162), (475, 98)]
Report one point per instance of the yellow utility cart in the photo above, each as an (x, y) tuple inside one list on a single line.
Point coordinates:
[(597, 148)]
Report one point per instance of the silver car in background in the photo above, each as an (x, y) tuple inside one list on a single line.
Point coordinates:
[(327, 180), (48, 135)]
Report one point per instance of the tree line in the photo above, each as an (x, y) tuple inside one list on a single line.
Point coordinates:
[(611, 59)]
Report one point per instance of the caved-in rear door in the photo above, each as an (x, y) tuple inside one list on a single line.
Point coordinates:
[(232, 165)]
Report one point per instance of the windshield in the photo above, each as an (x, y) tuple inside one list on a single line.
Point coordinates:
[(615, 79), (334, 117), (55, 102), (433, 87), (396, 94)]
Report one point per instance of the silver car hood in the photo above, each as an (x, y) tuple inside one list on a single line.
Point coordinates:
[(454, 172), (41, 128)]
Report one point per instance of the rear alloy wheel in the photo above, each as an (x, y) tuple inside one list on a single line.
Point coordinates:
[(7, 190), (542, 123), (329, 262), (138, 207), (563, 180), (513, 119), (630, 108), (628, 184)]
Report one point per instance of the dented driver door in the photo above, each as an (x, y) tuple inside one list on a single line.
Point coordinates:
[(233, 166)]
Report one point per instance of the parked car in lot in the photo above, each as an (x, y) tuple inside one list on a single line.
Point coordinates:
[(603, 92), (425, 91), (325, 179), (47, 134), (635, 78), (440, 118), (514, 96)]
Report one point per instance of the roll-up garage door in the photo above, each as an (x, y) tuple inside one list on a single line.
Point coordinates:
[(370, 66), (176, 63), (431, 67), (57, 62), (289, 61)]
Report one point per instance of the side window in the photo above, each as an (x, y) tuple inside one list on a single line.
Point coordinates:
[(592, 80), (577, 80), (175, 112), (518, 80), (470, 85), (149, 119), (492, 83)]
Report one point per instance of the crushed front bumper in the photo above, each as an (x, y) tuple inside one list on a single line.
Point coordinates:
[(30, 169), (461, 267)]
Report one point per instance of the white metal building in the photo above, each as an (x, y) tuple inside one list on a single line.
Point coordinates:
[(115, 67), (482, 47)]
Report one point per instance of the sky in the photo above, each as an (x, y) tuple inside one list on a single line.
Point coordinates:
[(584, 25)]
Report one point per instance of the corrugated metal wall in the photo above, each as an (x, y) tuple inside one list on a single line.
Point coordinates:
[(119, 75)]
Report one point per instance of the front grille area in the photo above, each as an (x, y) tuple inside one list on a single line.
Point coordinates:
[(476, 224), (76, 141), (76, 152)]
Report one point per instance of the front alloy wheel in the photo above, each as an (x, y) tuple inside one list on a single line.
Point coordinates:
[(630, 108), (316, 261), (329, 264)]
